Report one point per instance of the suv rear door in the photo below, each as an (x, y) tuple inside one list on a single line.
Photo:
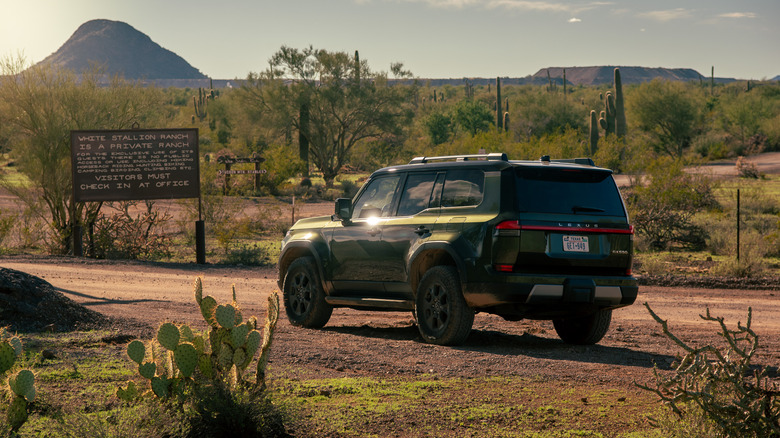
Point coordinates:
[(571, 221)]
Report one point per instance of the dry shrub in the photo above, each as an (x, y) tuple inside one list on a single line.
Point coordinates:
[(130, 235), (718, 390), (747, 169), (753, 249)]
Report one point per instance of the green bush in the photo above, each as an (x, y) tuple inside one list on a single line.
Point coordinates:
[(439, 127), (664, 207), (711, 146), (6, 225), (249, 255)]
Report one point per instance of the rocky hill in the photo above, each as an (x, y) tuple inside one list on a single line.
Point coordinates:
[(120, 49)]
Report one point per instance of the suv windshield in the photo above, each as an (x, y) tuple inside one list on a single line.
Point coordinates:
[(568, 191)]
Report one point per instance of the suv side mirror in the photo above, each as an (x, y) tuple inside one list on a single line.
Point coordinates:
[(344, 209)]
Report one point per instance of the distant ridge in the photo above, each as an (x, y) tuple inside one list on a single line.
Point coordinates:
[(592, 76), (120, 49), (601, 75)]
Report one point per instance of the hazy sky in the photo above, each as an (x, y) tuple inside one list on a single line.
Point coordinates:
[(433, 38)]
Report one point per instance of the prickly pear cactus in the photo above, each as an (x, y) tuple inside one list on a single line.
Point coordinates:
[(17, 413), (208, 307), (137, 351), (168, 336), (189, 358), (271, 318), (186, 357), (226, 316), (21, 384), (129, 393), (7, 356)]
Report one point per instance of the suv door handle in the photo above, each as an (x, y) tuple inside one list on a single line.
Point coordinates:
[(373, 231), (421, 230)]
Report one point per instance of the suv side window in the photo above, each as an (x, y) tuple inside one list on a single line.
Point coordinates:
[(416, 196), (463, 188), (377, 198)]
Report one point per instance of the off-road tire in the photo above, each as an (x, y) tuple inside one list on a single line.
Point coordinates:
[(304, 299), (443, 317), (586, 330)]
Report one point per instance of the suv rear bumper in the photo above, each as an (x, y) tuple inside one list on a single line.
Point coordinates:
[(545, 295)]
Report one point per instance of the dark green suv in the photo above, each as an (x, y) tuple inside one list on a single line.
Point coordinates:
[(446, 237)]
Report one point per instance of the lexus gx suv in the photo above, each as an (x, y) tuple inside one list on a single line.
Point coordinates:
[(447, 237)]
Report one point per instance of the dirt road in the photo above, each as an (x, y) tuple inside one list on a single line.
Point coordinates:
[(381, 343)]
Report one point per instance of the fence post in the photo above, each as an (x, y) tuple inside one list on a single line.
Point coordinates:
[(737, 224)]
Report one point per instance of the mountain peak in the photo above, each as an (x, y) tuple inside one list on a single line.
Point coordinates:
[(120, 49)]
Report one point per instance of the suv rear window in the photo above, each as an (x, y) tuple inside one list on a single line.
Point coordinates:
[(568, 191)]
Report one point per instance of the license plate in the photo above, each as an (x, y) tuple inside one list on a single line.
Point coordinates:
[(575, 244)]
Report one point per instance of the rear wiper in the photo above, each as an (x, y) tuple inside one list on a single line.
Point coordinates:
[(582, 209)]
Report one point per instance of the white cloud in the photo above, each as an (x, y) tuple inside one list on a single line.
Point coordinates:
[(574, 20), (524, 5), (738, 15), (667, 15), (528, 5)]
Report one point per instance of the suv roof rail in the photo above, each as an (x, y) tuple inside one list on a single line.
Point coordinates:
[(584, 161), (494, 156)]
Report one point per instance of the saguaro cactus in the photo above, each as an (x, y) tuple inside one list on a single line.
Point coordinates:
[(201, 103), (357, 68), (499, 115), (613, 118), (620, 111), (594, 132), (564, 84), (607, 120)]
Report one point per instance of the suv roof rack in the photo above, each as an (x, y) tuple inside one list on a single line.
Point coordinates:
[(584, 161), (494, 156)]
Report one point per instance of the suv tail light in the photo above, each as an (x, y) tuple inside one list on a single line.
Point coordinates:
[(508, 225)]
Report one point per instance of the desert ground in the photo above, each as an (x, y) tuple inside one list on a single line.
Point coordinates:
[(387, 343)]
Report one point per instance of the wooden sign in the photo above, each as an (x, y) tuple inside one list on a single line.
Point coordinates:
[(121, 165)]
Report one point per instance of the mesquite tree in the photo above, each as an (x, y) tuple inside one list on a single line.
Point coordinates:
[(345, 102), (40, 105)]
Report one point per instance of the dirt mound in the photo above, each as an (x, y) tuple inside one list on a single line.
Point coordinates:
[(30, 304)]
